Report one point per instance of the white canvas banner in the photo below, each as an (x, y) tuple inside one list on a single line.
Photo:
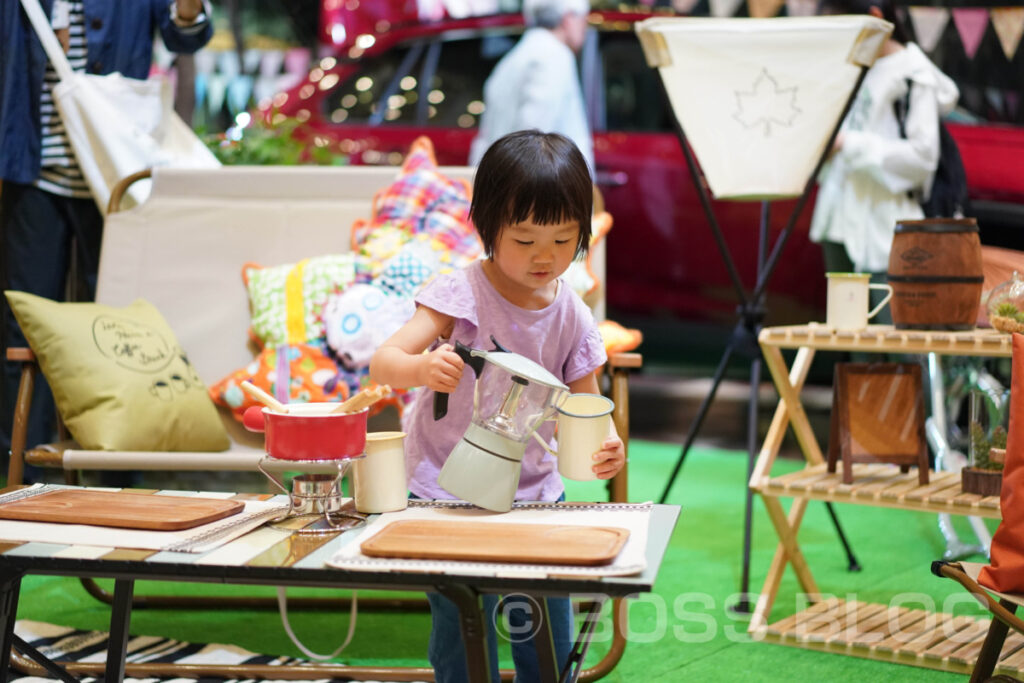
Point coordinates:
[(929, 23), (971, 23), (724, 8), (1009, 25), (759, 98)]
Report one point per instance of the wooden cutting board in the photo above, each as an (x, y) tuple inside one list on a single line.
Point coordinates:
[(497, 542), (120, 509)]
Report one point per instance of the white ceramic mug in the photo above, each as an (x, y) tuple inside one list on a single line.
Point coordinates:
[(584, 421), (378, 479), (847, 305)]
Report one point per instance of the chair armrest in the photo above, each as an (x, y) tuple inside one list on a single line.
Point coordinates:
[(619, 365), (21, 354), (953, 570), (23, 402)]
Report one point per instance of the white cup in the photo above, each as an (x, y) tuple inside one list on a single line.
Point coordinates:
[(378, 479), (584, 421), (847, 306)]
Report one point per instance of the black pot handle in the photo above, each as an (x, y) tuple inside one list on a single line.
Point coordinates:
[(474, 362)]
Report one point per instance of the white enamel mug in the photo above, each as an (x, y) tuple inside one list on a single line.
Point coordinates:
[(584, 421), (847, 304), (378, 479)]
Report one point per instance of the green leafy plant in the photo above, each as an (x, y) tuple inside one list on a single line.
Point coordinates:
[(264, 143), (1007, 310), (981, 445)]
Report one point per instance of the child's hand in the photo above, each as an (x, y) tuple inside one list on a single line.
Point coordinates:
[(442, 369), (610, 459)]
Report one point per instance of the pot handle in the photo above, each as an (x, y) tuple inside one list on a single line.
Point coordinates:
[(252, 418), (543, 443), (474, 362)]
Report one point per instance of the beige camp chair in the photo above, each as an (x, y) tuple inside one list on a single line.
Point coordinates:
[(1003, 607), (190, 239)]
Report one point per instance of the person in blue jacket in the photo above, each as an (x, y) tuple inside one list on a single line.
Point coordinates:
[(45, 207)]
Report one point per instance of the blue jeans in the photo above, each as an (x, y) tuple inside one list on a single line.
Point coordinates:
[(447, 651)]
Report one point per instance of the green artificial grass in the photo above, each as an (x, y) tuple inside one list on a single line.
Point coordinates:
[(683, 630)]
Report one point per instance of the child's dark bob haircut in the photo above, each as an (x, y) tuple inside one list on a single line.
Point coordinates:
[(529, 174)]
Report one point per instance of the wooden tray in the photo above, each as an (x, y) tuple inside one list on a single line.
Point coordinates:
[(120, 509), (497, 542)]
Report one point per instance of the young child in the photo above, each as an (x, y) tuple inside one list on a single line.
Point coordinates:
[(532, 202)]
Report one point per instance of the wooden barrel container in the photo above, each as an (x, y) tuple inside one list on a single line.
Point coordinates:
[(935, 273)]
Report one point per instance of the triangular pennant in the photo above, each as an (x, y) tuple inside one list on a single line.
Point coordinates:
[(971, 23), (724, 8), (684, 6), (764, 9), (929, 23), (801, 8), (1012, 103), (1009, 25)]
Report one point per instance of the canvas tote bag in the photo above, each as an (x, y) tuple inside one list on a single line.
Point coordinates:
[(117, 125)]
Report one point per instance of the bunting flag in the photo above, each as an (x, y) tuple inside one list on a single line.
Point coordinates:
[(971, 23), (1009, 25), (764, 9), (725, 8), (1012, 103), (801, 8), (684, 6), (929, 23)]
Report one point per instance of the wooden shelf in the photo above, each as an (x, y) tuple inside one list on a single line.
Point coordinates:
[(898, 635), (887, 339), (892, 634), (882, 486)]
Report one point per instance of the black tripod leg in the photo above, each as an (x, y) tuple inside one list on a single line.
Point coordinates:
[(702, 412), (852, 564)]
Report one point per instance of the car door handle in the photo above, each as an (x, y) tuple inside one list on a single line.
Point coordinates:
[(610, 178)]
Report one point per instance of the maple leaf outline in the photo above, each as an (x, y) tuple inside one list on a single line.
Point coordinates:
[(766, 104)]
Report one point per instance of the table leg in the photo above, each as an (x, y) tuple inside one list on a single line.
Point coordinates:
[(574, 665), (120, 617), (474, 633), (10, 586), (544, 643)]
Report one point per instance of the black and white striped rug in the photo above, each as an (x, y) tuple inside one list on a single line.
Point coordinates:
[(68, 644)]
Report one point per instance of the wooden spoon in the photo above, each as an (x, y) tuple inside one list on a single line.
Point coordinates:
[(364, 399), (263, 397)]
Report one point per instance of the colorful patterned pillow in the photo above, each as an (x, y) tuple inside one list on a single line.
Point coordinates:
[(422, 200), (359, 319), (292, 373), (287, 300)]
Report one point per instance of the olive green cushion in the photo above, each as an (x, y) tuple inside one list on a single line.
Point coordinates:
[(119, 377)]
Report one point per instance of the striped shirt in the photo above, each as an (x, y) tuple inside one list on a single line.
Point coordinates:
[(60, 173)]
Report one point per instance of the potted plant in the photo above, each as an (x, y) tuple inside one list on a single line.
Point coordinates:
[(984, 475)]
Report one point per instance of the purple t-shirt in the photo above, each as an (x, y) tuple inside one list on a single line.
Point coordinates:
[(562, 337)]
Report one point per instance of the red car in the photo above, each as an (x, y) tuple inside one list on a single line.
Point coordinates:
[(395, 77)]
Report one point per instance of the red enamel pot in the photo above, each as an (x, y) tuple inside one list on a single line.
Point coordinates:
[(309, 431)]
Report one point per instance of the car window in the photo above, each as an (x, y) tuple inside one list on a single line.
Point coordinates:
[(387, 78), (633, 99), (456, 90)]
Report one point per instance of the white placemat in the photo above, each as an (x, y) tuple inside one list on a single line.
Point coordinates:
[(631, 559), (198, 539)]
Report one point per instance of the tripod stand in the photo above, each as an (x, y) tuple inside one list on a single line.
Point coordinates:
[(744, 338)]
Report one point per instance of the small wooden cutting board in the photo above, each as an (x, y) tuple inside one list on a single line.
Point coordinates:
[(497, 542), (120, 509)]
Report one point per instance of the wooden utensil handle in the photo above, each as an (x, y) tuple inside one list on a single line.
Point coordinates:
[(364, 399), (263, 397)]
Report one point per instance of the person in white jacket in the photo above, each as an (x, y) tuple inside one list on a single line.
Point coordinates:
[(537, 84), (876, 175)]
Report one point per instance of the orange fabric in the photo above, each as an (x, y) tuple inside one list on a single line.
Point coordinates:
[(1005, 572)]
